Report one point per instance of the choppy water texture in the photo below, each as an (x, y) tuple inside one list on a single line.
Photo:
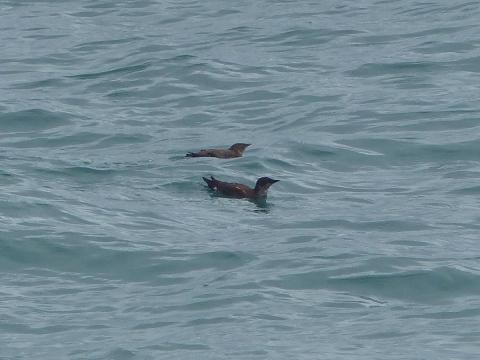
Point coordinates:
[(111, 247)]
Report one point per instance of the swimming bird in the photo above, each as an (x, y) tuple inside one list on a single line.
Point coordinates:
[(236, 150), (240, 190)]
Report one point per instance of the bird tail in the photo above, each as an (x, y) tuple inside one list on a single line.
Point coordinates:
[(212, 182), (191, 154)]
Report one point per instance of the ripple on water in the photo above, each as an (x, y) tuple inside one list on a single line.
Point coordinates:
[(33, 120), (57, 140), (381, 226), (81, 174), (471, 190), (438, 285), (115, 71)]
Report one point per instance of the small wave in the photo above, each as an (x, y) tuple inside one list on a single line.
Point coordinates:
[(431, 286), (305, 37), (381, 226), (33, 120), (390, 38), (382, 69), (81, 174), (100, 45), (463, 174), (216, 303), (120, 139), (210, 321), (120, 70), (41, 84), (152, 325), (26, 329), (81, 138), (172, 346), (403, 151), (472, 190)]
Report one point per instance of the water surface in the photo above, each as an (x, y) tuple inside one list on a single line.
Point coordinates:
[(111, 247)]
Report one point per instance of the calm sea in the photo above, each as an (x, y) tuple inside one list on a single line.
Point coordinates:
[(111, 247)]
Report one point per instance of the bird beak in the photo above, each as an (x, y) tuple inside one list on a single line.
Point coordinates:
[(274, 181)]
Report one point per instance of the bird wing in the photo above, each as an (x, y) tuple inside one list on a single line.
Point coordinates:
[(210, 153), (234, 189), (218, 153)]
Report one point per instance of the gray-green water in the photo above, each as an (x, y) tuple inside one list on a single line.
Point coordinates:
[(112, 248)]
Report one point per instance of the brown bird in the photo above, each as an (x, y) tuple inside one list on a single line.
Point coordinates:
[(236, 150), (240, 190)]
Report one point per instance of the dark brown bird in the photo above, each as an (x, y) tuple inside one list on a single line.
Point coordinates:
[(236, 150), (240, 190)]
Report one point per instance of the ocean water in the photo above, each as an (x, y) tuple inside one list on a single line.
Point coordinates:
[(111, 246)]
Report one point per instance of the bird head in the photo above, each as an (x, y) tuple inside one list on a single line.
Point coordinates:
[(262, 185), (239, 147)]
